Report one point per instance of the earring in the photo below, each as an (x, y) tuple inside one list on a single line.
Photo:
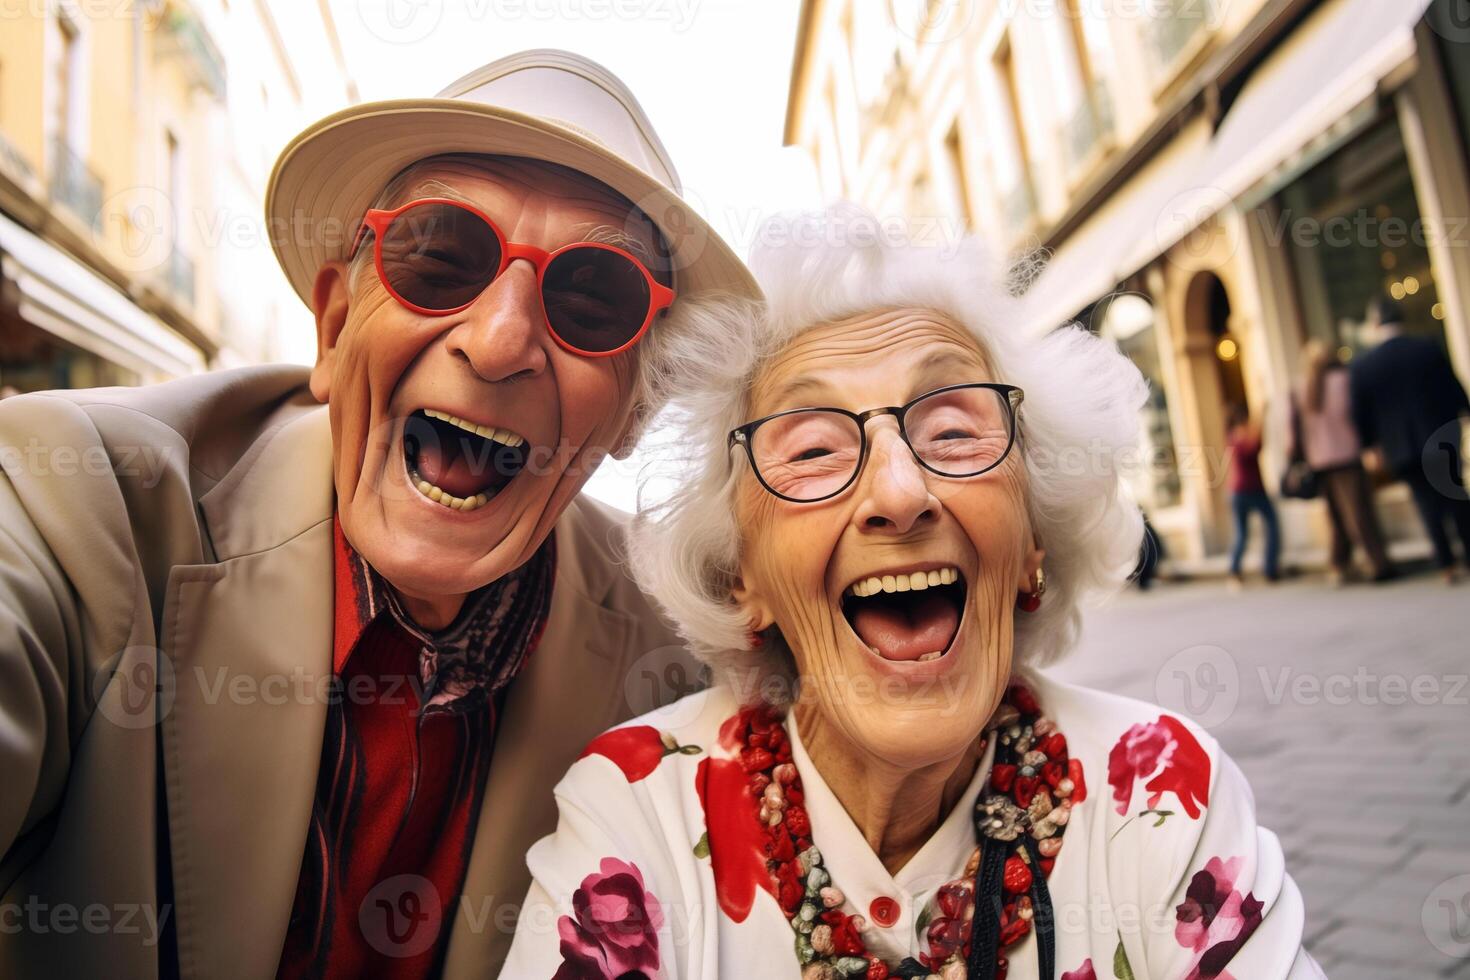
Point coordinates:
[(754, 640), (1030, 602)]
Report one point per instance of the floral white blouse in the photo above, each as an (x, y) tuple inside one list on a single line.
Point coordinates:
[(656, 867)]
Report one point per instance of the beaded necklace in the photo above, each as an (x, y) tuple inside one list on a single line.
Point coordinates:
[(1019, 821)]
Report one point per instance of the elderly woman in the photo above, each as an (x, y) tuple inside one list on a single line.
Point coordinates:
[(897, 499)]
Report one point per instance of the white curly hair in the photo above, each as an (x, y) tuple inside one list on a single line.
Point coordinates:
[(1080, 416)]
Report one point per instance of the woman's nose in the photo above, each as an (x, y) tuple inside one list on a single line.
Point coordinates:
[(894, 492), (503, 334)]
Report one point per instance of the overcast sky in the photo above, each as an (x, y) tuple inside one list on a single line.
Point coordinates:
[(711, 74)]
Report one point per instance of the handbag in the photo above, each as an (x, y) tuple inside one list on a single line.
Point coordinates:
[(1299, 482)]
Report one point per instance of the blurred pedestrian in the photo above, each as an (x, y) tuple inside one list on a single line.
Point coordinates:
[(1323, 434), (1407, 402), (1150, 554), (1248, 492)]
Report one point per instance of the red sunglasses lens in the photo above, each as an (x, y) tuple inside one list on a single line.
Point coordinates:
[(596, 299), (439, 256)]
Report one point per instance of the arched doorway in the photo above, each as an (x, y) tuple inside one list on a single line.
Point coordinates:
[(1214, 353)]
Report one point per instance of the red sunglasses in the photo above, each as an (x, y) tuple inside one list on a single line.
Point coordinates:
[(436, 256)]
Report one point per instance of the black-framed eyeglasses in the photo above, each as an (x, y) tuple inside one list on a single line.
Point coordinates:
[(806, 455)]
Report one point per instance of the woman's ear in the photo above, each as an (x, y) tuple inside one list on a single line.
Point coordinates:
[(1030, 566), (329, 299), (758, 615)]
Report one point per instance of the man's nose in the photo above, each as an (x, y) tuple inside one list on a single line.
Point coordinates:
[(895, 495), (503, 333)]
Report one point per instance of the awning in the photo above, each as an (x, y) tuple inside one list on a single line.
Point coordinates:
[(62, 296), (1306, 98), (1089, 265)]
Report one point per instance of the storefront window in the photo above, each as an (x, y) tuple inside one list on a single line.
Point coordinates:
[(1454, 54), (1128, 320), (1354, 231), (33, 360)]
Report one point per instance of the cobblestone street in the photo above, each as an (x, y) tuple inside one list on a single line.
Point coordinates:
[(1349, 712)]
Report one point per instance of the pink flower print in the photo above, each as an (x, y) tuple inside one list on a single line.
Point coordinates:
[(1215, 920), (1083, 972), (1168, 752), (615, 931)]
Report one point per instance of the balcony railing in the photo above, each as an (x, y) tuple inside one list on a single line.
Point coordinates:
[(180, 276), (74, 185), (186, 38), (1173, 24), (1090, 126), (13, 163)]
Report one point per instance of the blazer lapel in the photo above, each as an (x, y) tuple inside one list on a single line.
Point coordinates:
[(247, 642)]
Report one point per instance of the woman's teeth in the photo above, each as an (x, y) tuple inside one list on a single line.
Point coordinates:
[(912, 582), (447, 499), (503, 436)]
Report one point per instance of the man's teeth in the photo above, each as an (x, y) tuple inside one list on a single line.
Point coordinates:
[(503, 436), (912, 582), (447, 499), (923, 658)]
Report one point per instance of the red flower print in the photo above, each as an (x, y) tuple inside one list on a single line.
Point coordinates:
[(637, 749), (736, 838), (1215, 920), (615, 932), (1079, 782), (1166, 750), (1083, 972)]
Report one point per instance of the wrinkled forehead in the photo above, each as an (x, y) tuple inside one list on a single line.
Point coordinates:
[(857, 361), (582, 204)]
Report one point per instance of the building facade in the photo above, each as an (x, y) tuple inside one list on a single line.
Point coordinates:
[(1210, 184), (136, 137)]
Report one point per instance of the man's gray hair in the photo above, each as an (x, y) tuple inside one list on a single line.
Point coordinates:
[(1081, 411)]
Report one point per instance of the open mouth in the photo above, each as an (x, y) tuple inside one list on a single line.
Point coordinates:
[(910, 616), (457, 463)]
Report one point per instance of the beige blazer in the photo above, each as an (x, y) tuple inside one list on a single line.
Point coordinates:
[(165, 640)]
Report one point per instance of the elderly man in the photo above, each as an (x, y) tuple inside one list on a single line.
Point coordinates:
[(284, 688)]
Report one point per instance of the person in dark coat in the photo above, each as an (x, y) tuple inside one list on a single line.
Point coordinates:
[(1407, 402)]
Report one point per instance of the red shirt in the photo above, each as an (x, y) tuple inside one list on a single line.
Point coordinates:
[(1245, 462), (409, 735)]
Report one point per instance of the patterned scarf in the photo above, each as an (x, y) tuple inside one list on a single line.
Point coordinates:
[(475, 656)]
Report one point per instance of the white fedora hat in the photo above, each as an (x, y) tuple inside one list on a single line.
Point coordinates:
[(546, 105)]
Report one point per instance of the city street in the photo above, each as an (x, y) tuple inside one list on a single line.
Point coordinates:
[(1349, 712)]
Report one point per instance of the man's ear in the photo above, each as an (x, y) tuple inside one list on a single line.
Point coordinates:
[(758, 615), (627, 440), (330, 299)]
